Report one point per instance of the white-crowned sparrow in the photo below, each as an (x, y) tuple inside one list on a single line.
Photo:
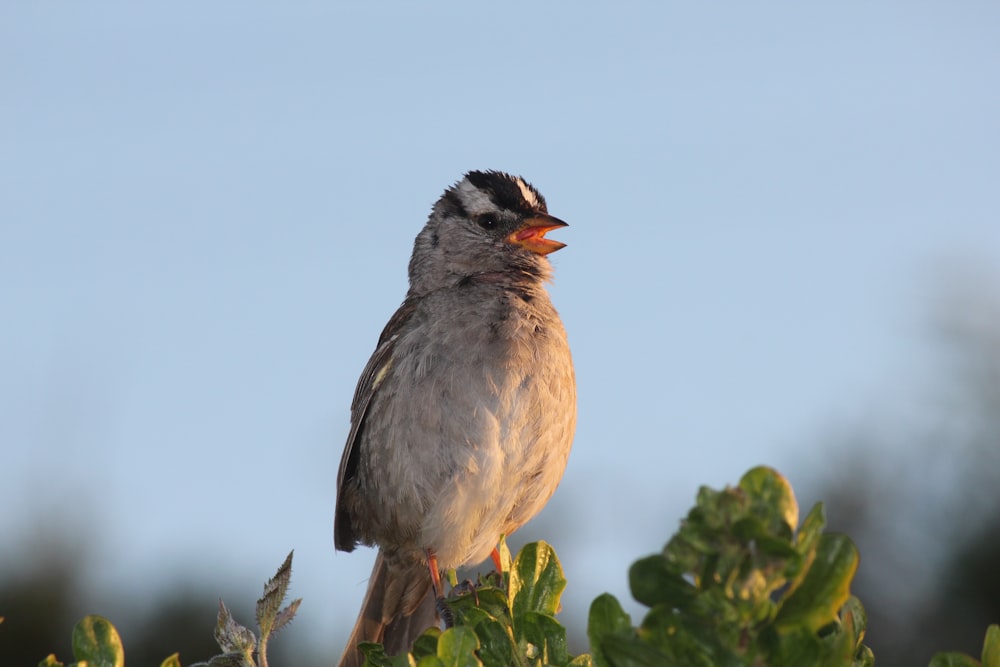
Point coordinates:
[(463, 418)]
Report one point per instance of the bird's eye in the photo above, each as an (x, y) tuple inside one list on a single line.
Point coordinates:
[(487, 220)]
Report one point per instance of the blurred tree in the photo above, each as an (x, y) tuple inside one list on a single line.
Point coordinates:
[(42, 596), (180, 622), (37, 608), (920, 493)]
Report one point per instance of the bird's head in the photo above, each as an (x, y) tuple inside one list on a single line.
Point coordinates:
[(487, 223)]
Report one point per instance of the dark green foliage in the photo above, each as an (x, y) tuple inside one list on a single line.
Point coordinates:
[(740, 584), (990, 656)]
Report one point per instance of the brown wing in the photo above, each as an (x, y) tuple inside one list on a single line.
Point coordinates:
[(374, 372)]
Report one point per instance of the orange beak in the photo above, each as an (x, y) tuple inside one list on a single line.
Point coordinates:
[(531, 234)]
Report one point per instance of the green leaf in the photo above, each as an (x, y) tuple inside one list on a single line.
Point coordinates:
[(457, 648), (653, 581), (953, 660), (50, 661), (854, 620), (231, 660), (619, 651), (583, 660), (825, 588), (991, 647), (548, 635), (806, 543), (506, 563), (274, 594), (496, 644), (688, 639), (286, 615), (771, 498), (864, 658), (471, 617), (97, 642), (430, 661), (231, 636), (536, 581), (172, 661), (470, 608), (840, 643), (607, 619), (427, 643), (761, 532), (374, 655), (796, 646)]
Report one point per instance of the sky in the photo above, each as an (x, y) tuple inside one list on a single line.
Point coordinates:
[(206, 210)]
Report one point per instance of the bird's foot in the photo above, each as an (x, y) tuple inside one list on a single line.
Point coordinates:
[(444, 612), (467, 587), (494, 579)]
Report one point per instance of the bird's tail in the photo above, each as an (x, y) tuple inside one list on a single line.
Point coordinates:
[(397, 608)]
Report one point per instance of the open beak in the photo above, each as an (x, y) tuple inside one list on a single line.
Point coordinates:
[(531, 234)]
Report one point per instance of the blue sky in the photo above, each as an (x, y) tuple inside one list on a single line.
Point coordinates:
[(206, 210)]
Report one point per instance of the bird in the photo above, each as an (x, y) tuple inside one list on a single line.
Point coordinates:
[(463, 418)]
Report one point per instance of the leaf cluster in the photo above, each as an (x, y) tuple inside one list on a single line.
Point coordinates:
[(238, 643), (741, 583)]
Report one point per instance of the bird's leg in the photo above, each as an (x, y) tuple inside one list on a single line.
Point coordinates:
[(498, 563), (432, 563), (495, 557), (439, 602)]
